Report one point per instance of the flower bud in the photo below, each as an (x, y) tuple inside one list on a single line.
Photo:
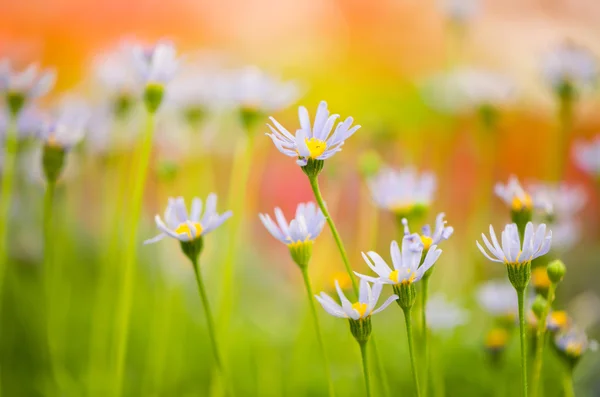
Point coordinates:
[(53, 161), (556, 271), (153, 96), (539, 306)]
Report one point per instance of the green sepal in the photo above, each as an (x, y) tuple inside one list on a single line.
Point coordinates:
[(519, 274), (301, 252), (153, 96), (53, 162), (407, 294), (313, 167), (193, 248), (15, 101), (361, 329)]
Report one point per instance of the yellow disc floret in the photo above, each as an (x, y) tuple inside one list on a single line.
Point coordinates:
[(521, 203), (360, 307), (574, 348), (395, 277), (427, 241), (185, 228), (316, 147), (559, 319), (496, 338)]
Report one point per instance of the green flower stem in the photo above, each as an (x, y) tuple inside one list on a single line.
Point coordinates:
[(365, 361), (314, 184), (541, 341), (522, 331), (568, 382), (236, 199), (210, 325), (130, 255), (313, 310), (424, 290), (409, 335)]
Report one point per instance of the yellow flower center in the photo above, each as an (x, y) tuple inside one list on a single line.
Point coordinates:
[(559, 318), (427, 241), (574, 348), (51, 141), (519, 204), (395, 277), (496, 338), (316, 147), (185, 228), (539, 278), (401, 208), (360, 307), (517, 261), (343, 280)]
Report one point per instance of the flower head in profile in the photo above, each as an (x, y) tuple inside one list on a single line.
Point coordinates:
[(587, 156), (185, 227), (253, 89), (568, 67), (406, 269), (363, 309), (318, 141), (28, 83), (300, 233), (536, 242), (499, 299), (68, 126), (404, 192), (514, 196), (155, 64), (443, 315), (429, 238), (573, 344)]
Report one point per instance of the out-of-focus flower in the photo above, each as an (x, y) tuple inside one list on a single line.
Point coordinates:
[(516, 197), (441, 232), (496, 339), (587, 156), (403, 192), (498, 298), (469, 89), (444, 315), (27, 84), (558, 320), (363, 309), (559, 201), (405, 263), (316, 142), (460, 11), (536, 243), (540, 280), (29, 122), (569, 67), (185, 228), (300, 233), (68, 127), (566, 234), (155, 64), (572, 345), (254, 90)]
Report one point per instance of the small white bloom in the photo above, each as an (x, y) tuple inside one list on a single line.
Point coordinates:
[(401, 190), (517, 198), (560, 201), (405, 263), (441, 232), (444, 315), (569, 64), (312, 142), (574, 343), (469, 89), (460, 11), (29, 122), (536, 242), (364, 308), (156, 64), (307, 224), (29, 82), (252, 88), (565, 235), (587, 156), (498, 298), (183, 227), (68, 127)]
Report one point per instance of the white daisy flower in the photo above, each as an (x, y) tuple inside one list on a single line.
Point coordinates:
[(559, 201), (536, 242), (517, 198), (252, 88), (401, 191), (306, 226), (569, 65), (363, 309), (405, 263), (183, 227), (443, 315), (68, 127), (116, 73), (573, 343), (587, 156), (441, 232), (29, 83), (29, 122), (312, 142), (498, 298), (156, 64)]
